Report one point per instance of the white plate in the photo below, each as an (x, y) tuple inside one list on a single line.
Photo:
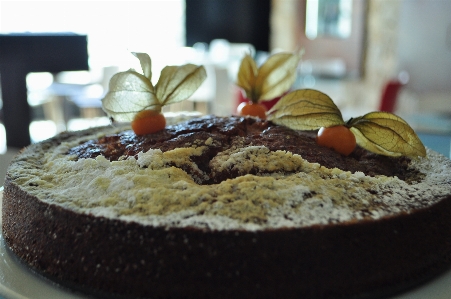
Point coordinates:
[(19, 282)]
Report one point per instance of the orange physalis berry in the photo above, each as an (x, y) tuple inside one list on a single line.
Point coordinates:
[(252, 109), (148, 122), (338, 138)]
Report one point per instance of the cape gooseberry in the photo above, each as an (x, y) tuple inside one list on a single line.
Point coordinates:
[(338, 138)]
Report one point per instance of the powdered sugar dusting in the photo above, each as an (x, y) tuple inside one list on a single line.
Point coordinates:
[(154, 190)]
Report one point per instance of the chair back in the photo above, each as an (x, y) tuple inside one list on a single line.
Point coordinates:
[(390, 95)]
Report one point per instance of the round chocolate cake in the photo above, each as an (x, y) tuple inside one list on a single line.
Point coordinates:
[(228, 207)]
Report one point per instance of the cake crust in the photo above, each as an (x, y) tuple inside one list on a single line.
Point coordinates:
[(351, 260), (115, 254)]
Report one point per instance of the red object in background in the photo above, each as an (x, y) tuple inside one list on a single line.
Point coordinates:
[(240, 96), (390, 95)]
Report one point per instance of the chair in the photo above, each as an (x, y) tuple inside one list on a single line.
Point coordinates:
[(391, 91)]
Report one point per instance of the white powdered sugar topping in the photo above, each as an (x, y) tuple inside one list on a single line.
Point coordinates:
[(154, 190)]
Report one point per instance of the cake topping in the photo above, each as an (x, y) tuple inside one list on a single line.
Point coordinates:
[(379, 132), (133, 97), (266, 82), (216, 149), (338, 138), (225, 173)]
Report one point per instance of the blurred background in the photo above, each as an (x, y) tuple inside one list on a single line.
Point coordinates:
[(392, 55)]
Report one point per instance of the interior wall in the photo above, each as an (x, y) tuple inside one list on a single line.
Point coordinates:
[(350, 50), (424, 44), (401, 35), (284, 33), (378, 51)]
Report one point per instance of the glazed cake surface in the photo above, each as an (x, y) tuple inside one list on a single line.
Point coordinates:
[(227, 198)]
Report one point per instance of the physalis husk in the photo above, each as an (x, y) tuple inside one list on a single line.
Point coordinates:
[(379, 132), (271, 79), (131, 92)]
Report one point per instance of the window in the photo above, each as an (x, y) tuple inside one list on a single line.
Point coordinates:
[(114, 28)]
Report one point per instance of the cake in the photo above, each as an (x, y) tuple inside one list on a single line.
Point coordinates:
[(226, 207), (296, 203)]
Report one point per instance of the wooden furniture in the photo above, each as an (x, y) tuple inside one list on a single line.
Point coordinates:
[(21, 54)]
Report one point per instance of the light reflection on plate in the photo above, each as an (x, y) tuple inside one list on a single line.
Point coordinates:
[(19, 282)]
